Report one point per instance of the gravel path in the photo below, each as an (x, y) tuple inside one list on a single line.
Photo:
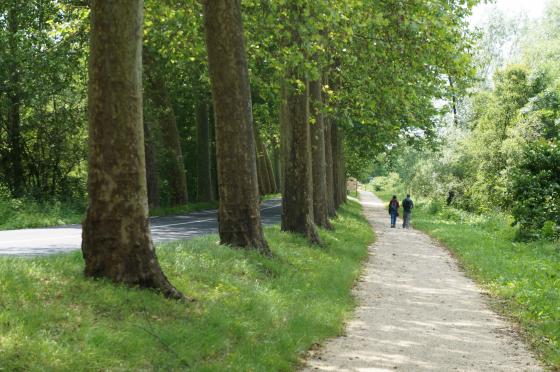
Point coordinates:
[(418, 312)]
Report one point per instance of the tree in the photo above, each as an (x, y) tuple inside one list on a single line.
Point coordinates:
[(204, 190), (116, 237), (320, 207), (239, 214)]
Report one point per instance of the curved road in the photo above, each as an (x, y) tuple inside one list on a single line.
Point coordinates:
[(35, 242)]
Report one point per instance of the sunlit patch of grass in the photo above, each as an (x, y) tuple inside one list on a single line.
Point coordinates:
[(251, 313)]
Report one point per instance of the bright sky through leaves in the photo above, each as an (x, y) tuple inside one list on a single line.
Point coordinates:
[(532, 8)]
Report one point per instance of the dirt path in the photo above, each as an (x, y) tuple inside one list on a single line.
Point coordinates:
[(418, 312)]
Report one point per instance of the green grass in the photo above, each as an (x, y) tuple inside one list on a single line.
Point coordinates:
[(523, 278), (270, 197), (182, 209), (252, 313), (21, 213)]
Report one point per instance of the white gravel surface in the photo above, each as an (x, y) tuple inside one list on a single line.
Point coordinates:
[(418, 312)]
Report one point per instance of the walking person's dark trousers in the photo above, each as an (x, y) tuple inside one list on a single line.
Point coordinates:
[(393, 219), (406, 219)]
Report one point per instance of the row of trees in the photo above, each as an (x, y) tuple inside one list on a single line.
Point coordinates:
[(502, 152), (321, 86)]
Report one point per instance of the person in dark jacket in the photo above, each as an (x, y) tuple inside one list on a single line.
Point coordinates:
[(394, 210), (407, 205)]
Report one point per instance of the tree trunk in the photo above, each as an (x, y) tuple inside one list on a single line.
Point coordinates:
[(318, 157), (266, 178), (15, 140), (174, 164), (276, 164), (261, 172), (239, 213), (116, 240), (270, 173), (337, 171), (297, 197), (204, 189), (152, 174), (331, 210), (342, 167)]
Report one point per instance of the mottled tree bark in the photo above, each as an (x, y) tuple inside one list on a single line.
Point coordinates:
[(318, 156), (116, 240), (175, 166), (152, 173), (239, 214), (204, 189), (297, 197)]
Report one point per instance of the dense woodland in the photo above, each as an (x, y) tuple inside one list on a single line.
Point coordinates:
[(499, 152), (213, 100)]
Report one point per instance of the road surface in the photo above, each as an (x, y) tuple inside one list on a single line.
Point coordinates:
[(35, 242)]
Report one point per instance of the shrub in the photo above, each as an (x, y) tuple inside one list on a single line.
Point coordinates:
[(550, 231), (535, 189)]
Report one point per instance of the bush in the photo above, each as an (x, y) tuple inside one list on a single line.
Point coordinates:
[(535, 189), (435, 206), (550, 231)]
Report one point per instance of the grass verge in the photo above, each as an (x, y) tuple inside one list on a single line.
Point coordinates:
[(252, 313), (22, 214), (524, 278)]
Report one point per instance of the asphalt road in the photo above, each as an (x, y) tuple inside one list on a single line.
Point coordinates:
[(36, 242)]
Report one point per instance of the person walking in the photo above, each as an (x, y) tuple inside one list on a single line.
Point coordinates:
[(407, 205), (394, 210)]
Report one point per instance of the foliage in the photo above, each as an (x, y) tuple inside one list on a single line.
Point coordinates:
[(500, 156), (535, 188), (248, 314)]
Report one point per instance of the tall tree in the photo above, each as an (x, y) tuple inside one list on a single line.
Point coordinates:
[(239, 214), (297, 190), (320, 208), (116, 237), (204, 190)]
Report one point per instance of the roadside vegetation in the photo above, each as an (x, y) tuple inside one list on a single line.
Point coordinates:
[(523, 278), (28, 213), (251, 312)]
